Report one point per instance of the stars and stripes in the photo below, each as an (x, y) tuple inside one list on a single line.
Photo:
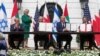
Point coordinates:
[(37, 14), (86, 12)]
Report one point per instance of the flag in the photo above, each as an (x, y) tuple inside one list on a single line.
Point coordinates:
[(36, 17), (96, 28), (55, 20), (3, 19), (15, 10), (14, 13), (66, 14), (86, 12), (98, 20), (46, 15), (56, 15), (95, 25)]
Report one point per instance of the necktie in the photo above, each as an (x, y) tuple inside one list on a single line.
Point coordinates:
[(64, 25)]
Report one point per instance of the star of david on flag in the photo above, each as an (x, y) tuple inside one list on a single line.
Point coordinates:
[(3, 23), (3, 19)]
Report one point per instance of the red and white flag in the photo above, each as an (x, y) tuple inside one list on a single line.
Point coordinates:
[(14, 12), (46, 15), (15, 9), (96, 28)]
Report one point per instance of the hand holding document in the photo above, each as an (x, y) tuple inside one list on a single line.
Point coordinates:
[(47, 27), (68, 27), (84, 27), (41, 26), (65, 29)]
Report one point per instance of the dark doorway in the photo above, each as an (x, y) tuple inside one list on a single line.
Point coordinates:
[(19, 1), (84, 0), (50, 6)]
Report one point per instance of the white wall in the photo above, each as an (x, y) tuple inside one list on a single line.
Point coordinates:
[(75, 12), (73, 7)]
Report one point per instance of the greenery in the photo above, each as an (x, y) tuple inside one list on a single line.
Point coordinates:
[(27, 52)]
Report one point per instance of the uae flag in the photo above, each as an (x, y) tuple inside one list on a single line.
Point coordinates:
[(14, 12), (15, 9), (66, 14)]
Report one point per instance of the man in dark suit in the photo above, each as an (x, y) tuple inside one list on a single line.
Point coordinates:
[(87, 37), (39, 36), (61, 27), (12, 37)]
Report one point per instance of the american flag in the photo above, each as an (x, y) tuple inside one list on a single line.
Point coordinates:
[(36, 14), (86, 12)]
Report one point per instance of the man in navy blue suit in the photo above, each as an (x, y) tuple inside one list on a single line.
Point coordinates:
[(12, 37), (61, 27)]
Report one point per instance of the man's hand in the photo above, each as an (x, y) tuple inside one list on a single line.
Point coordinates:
[(65, 29), (16, 26), (30, 17)]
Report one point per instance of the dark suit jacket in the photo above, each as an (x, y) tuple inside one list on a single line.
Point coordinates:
[(60, 27), (15, 29), (3, 44), (12, 29)]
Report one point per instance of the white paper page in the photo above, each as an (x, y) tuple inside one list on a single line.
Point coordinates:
[(89, 27), (82, 27), (49, 27), (73, 27), (42, 26), (68, 27)]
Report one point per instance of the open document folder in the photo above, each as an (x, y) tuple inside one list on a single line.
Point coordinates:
[(68, 26), (84, 27), (47, 27)]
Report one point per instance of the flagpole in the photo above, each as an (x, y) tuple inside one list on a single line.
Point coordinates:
[(45, 2), (37, 2), (66, 1), (56, 2)]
